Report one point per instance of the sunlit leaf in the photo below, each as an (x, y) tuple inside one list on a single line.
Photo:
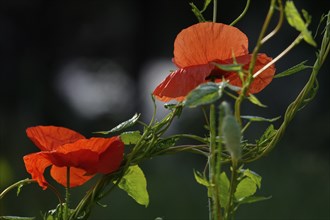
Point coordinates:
[(296, 21), (130, 122), (204, 94), (203, 181), (256, 178), (245, 188), (224, 190), (253, 199), (295, 69), (259, 119), (253, 99), (130, 137), (135, 184)]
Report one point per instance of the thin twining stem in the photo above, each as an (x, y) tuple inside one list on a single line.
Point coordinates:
[(292, 45), (278, 26)]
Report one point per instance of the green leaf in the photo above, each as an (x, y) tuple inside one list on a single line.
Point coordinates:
[(130, 137), (229, 67), (245, 188), (224, 190), (197, 12), (259, 119), (201, 179), (206, 4), (253, 99), (130, 122), (296, 21), (295, 69), (256, 178), (252, 199), (16, 218), (231, 131), (204, 94), (267, 135), (135, 184)]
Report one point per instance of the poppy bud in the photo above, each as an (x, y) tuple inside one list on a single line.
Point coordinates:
[(231, 132)]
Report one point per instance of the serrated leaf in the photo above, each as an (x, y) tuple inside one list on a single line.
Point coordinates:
[(296, 21), (224, 190), (245, 188), (16, 218), (256, 178), (252, 199), (253, 99), (204, 94), (135, 184), (229, 67), (130, 122), (259, 119), (130, 137), (295, 69)]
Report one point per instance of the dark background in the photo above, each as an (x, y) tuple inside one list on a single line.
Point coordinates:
[(57, 58)]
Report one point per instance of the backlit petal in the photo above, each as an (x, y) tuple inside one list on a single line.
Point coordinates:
[(111, 158), (80, 158), (205, 42), (50, 137), (36, 164), (93, 155), (262, 80), (77, 176), (180, 82)]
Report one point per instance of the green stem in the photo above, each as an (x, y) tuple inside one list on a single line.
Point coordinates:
[(67, 194), (233, 185), (247, 82), (242, 14), (215, 209), (283, 53), (15, 185), (215, 7)]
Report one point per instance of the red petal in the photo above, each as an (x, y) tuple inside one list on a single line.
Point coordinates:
[(93, 155), (80, 158), (180, 82), (205, 42), (77, 176), (111, 159), (50, 137), (36, 164), (262, 80)]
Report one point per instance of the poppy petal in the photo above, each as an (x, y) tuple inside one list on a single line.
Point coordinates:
[(180, 82), (77, 176), (81, 158), (48, 138), (262, 80), (35, 164), (111, 158), (102, 155), (204, 42)]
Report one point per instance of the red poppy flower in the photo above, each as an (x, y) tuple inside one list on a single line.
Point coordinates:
[(197, 47), (61, 148)]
